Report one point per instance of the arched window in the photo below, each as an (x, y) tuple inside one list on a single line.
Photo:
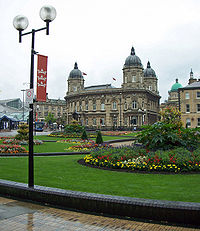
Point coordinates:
[(134, 104), (94, 106), (114, 105), (102, 106)]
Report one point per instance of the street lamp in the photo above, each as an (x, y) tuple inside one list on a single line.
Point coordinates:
[(20, 22), (23, 103)]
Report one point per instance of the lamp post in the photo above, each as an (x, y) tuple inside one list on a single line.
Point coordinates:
[(23, 103), (120, 110), (20, 22)]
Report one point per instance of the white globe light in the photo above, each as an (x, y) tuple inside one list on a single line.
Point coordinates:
[(20, 22), (47, 13)]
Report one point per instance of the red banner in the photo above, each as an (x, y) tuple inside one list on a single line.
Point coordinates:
[(41, 78)]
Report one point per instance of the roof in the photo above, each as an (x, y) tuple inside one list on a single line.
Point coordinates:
[(133, 60), (149, 72), (192, 85), (99, 87), (75, 73), (176, 86), (3, 101)]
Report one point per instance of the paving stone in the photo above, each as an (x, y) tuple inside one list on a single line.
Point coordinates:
[(18, 215)]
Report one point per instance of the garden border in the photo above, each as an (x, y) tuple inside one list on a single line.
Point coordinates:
[(158, 210)]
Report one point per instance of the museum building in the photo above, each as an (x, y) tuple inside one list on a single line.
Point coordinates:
[(103, 106)]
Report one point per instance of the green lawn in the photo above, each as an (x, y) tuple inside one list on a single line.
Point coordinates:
[(105, 138), (64, 172)]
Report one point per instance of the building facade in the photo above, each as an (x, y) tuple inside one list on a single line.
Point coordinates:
[(55, 106), (104, 106), (190, 103)]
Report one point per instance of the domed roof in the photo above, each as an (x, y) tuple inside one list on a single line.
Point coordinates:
[(176, 86), (132, 59), (75, 73), (149, 72)]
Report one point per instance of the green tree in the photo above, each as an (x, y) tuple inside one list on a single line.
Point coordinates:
[(74, 127), (50, 118), (171, 115), (99, 139), (84, 136)]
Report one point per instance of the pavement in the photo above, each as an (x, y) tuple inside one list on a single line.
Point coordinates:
[(14, 132), (19, 215)]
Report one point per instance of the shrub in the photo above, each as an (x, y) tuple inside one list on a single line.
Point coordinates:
[(84, 136), (23, 132), (171, 115), (99, 139), (74, 127)]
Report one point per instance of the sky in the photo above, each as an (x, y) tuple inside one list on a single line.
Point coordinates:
[(98, 35)]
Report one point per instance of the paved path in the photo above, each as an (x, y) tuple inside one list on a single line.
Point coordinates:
[(17, 216), (125, 143)]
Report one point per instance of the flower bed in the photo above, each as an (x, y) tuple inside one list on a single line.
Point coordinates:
[(70, 135), (81, 145), (21, 142), (136, 158), (12, 149), (115, 133)]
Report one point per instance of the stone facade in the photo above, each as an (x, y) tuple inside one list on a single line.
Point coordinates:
[(55, 106), (190, 104), (103, 106)]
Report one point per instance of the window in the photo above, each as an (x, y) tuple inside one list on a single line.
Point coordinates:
[(94, 106), (187, 108), (102, 121), (125, 121), (198, 107), (125, 79), (133, 79), (198, 122), (94, 122), (75, 88), (134, 104), (114, 106), (125, 106), (188, 122), (187, 95), (80, 107), (86, 122), (150, 88), (86, 106), (102, 106), (198, 94), (133, 120)]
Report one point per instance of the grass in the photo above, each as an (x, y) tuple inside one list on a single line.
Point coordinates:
[(64, 172), (105, 138)]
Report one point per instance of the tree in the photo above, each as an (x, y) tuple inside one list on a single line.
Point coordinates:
[(99, 139), (23, 132), (171, 115), (50, 118), (84, 136)]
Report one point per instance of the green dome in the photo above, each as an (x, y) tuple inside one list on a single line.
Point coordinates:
[(176, 86)]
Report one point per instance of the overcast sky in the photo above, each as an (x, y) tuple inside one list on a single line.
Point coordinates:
[(99, 34)]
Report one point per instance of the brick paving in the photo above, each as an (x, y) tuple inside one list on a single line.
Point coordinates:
[(18, 215)]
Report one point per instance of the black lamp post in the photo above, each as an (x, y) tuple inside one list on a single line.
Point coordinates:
[(23, 103), (47, 14)]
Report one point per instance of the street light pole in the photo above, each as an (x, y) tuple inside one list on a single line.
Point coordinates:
[(47, 14), (23, 103)]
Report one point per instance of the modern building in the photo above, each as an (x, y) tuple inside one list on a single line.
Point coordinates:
[(13, 103), (134, 104)]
